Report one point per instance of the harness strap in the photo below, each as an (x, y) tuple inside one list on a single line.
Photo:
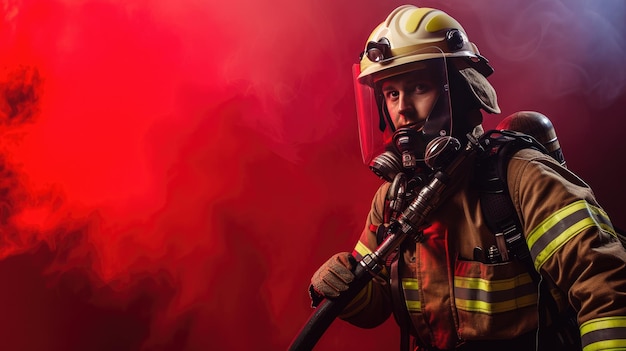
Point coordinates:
[(502, 218)]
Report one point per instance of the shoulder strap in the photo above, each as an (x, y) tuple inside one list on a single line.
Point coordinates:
[(500, 216), (499, 212)]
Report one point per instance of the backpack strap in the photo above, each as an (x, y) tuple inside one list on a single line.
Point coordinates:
[(497, 148)]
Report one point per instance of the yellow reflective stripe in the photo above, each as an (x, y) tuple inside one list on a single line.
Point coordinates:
[(492, 285), (560, 240), (602, 323), (598, 211), (362, 249), (496, 307), (597, 217), (483, 285), (549, 222), (606, 333), (413, 306), (411, 285), (608, 345), (492, 294), (608, 226)]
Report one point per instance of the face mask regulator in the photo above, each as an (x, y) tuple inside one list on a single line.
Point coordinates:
[(400, 155)]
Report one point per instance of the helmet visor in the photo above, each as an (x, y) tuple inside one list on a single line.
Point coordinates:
[(375, 131)]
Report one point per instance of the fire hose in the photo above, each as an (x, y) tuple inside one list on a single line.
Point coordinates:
[(444, 156)]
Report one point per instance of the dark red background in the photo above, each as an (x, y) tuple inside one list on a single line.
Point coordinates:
[(173, 171)]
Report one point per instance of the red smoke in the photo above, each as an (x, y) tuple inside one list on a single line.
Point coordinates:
[(173, 172)]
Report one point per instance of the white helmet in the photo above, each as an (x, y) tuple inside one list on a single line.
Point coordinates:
[(408, 40)]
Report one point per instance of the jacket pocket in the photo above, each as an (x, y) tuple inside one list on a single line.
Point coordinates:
[(494, 301)]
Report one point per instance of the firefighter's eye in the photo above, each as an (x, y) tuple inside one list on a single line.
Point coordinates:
[(422, 87), (392, 94)]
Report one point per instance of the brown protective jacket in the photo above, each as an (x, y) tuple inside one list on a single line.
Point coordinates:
[(453, 298)]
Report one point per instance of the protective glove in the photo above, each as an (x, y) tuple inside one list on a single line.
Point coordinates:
[(332, 277)]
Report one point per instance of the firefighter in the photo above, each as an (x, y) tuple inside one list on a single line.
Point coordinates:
[(457, 288)]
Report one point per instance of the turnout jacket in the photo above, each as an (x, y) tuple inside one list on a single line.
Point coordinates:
[(451, 297)]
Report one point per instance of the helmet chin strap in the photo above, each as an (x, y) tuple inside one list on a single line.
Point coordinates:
[(428, 129), (385, 118), (388, 120)]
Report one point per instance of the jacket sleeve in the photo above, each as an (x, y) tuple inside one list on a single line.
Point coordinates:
[(372, 306), (573, 244)]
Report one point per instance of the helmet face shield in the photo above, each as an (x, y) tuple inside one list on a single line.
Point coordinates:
[(376, 131), (372, 130)]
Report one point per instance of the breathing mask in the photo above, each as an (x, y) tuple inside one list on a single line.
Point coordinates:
[(387, 148), (414, 39)]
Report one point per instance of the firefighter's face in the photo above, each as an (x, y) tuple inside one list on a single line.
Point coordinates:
[(410, 97)]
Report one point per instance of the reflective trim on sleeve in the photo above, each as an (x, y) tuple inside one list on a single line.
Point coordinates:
[(607, 333), (494, 296), (360, 250), (555, 231), (603, 220), (411, 294)]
